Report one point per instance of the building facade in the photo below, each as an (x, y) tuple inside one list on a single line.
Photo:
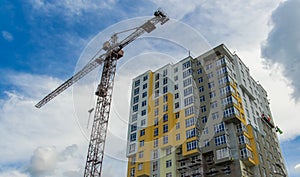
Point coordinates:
[(203, 116)]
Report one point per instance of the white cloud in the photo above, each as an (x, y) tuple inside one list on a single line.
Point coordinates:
[(43, 161), (297, 167), (282, 45), (7, 36), (13, 173), (71, 7)]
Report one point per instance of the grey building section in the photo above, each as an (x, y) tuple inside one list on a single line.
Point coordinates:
[(252, 145)]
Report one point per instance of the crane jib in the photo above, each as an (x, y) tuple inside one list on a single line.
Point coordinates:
[(109, 59)]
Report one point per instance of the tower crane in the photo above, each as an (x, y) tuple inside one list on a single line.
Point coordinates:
[(113, 52)]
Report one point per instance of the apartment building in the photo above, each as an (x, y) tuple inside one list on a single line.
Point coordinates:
[(203, 116)]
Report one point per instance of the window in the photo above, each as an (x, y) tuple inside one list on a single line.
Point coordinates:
[(157, 77), (221, 61), (132, 171), (188, 91), (229, 100), (143, 112), (169, 151), (140, 166), (212, 94), (169, 174), (177, 136), (165, 108), (243, 140), (144, 94), (211, 84), (145, 86), (221, 71), (133, 160), (187, 82), (156, 111), (165, 139), (190, 133), (201, 89), (144, 103), (189, 111), (222, 153), (176, 96), (155, 143), (156, 85), (177, 115), (231, 111), (203, 108), (165, 89), (165, 117), (215, 115), (177, 125), (200, 79), (189, 100), (156, 121), (192, 145), (245, 153), (136, 91), (131, 148), (133, 127), (199, 71), (227, 89), (209, 66), (165, 128), (142, 143), (154, 166), (219, 127), (135, 99), (176, 87), (205, 130), (204, 119), (165, 80), (224, 80), (165, 98), (135, 108), (145, 78), (186, 65), (210, 75), (143, 122), (175, 70), (156, 93), (136, 83), (134, 117), (190, 122), (187, 73), (175, 78), (155, 132), (168, 163), (202, 98), (133, 137), (165, 72), (220, 140), (141, 154), (156, 102), (213, 105), (142, 132), (206, 143), (176, 105)]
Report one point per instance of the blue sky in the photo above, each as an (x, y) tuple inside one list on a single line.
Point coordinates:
[(41, 44)]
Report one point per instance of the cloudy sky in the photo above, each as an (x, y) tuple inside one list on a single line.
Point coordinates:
[(44, 42)]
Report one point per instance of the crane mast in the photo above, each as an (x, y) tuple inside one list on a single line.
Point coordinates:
[(113, 48)]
